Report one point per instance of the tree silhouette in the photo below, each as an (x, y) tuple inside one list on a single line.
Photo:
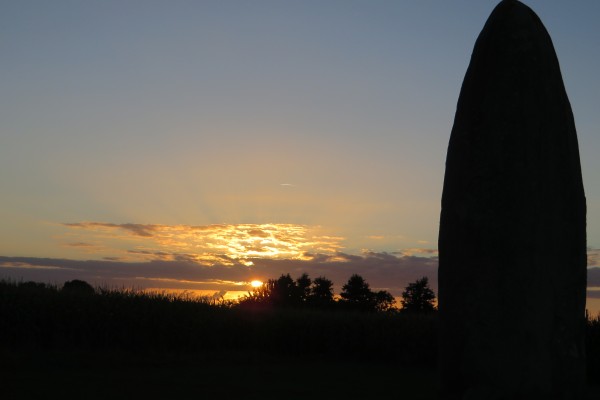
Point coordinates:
[(284, 291), (357, 292), (418, 297), (304, 292), (384, 301), (321, 292), (280, 292), (303, 288)]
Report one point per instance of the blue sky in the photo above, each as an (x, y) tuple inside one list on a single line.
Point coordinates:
[(331, 116)]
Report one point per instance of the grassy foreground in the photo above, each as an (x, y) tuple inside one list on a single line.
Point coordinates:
[(126, 344), (248, 376), (41, 319)]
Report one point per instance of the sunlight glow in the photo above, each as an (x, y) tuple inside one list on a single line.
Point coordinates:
[(256, 284)]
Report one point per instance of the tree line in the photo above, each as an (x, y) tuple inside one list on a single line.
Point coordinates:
[(304, 292), (356, 295)]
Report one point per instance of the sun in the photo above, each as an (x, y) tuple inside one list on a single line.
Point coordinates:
[(256, 284)]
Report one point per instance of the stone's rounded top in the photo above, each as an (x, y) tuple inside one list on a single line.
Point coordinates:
[(514, 32), (514, 102), (508, 9)]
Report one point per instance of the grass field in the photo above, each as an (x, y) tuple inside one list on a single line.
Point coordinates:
[(124, 344)]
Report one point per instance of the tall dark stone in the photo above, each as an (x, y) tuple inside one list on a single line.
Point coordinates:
[(512, 241)]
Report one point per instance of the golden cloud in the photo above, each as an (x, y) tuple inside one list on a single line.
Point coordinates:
[(219, 243)]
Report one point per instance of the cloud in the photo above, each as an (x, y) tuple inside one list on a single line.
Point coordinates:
[(80, 244), (593, 257), (226, 257), (16, 264), (418, 251), (593, 276), (209, 243), (136, 229), (376, 237), (593, 293), (133, 274), (84, 247), (381, 270)]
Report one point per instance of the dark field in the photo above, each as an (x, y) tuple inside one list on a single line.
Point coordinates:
[(247, 376), (123, 344)]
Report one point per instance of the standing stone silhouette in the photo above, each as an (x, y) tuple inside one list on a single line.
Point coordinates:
[(512, 240)]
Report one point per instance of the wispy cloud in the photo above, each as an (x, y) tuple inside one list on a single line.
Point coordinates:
[(136, 229), (84, 247), (418, 251), (80, 244), (16, 264)]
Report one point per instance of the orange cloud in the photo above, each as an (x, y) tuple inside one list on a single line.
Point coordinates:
[(219, 243), (419, 251)]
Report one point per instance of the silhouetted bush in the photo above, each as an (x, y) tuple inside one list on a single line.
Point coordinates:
[(78, 287)]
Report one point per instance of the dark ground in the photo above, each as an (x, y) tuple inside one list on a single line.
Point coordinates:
[(249, 377), (124, 345)]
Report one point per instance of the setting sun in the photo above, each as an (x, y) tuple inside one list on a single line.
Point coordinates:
[(256, 284)]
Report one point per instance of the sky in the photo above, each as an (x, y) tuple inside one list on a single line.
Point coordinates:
[(201, 145)]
